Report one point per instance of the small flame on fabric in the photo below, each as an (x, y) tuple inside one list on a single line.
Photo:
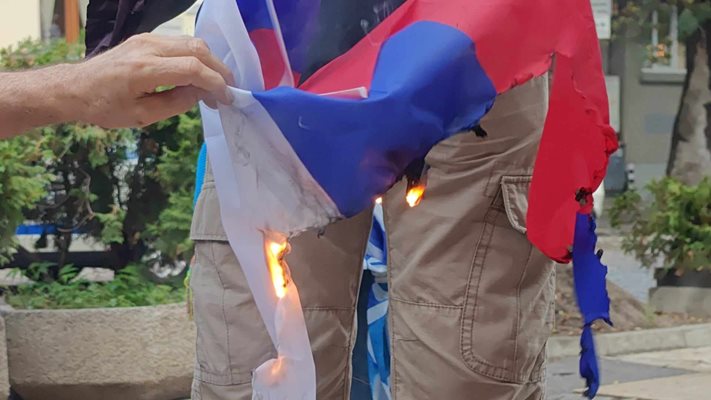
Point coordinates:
[(277, 268), (276, 367), (414, 195)]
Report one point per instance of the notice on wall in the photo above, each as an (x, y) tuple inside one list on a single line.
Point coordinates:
[(612, 83), (602, 11)]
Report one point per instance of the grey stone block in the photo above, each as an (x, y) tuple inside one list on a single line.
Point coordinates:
[(562, 346), (611, 344), (4, 376), (689, 300), (698, 336), (639, 341), (141, 353)]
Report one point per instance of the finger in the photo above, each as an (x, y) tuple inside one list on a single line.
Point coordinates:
[(186, 46), (185, 71), (210, 102), (159, 106)]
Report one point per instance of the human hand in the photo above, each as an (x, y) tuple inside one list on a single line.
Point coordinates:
[(118, 88)]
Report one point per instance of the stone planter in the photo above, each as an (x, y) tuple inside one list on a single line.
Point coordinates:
[(4, 376), (141, 353), (688, 293), (669, 277)]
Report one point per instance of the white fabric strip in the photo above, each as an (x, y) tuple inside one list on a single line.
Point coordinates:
[(292, 374), (265, 194), (279, 193)]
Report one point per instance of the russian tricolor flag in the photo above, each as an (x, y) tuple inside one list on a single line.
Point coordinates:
[(327, 116)]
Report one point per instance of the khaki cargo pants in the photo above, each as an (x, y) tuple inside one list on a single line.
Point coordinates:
[(471, 301)]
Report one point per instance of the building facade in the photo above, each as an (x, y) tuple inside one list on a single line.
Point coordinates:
[(651, 71)]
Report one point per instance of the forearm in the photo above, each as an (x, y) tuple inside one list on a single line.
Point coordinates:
[(116, 89), (39, 97)]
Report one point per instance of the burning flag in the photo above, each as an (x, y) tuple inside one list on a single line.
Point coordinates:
[(302, 146)]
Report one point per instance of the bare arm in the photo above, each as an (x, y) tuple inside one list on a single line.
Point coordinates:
[(117, 88), (34, 98)]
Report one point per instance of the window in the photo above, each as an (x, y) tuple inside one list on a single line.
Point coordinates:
[(50, 19), (53, 17), (666, 56)]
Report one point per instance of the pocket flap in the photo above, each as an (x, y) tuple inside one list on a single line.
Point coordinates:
[(514, 190)]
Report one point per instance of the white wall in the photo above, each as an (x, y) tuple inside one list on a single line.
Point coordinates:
[(19, 19)]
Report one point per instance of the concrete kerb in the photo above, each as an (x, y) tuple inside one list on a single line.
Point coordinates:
[(619, 343)]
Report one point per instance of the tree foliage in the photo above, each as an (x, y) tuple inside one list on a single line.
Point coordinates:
[(22, 184), (129, 189), (633, 17), (690, 150)]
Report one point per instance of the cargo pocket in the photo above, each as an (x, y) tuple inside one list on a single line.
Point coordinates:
[(508, 310), (231, 337), (514, 193)]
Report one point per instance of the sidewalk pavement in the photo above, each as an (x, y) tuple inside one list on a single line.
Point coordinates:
[(682, 374), (624, 269)]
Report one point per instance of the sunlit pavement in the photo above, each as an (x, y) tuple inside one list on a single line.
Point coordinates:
[(683, 374)]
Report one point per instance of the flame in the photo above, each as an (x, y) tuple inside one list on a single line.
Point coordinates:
[(275, 254), (414, 195), (276, 367), (378, 200)]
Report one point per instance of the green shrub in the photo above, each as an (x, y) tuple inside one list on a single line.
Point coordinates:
[(22, 184), (674, 224), (35, 53), (127, 289), (170, 232)]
